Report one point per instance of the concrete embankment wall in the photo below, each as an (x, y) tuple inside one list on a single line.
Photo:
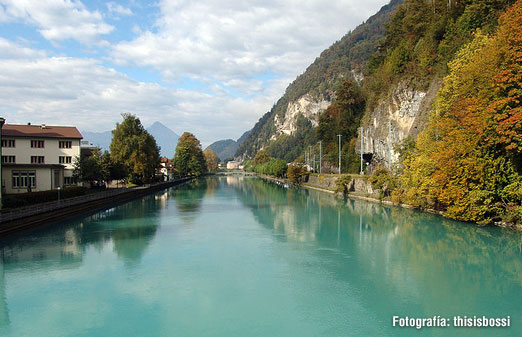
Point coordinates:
[(37, 216), (358, 186)]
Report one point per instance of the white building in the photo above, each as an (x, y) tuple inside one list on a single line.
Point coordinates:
[(233, 165), (38, 157)]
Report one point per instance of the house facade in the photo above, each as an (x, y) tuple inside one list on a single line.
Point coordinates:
[(38, 157)]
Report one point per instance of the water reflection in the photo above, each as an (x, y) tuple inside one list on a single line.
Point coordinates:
[(404, 255), (4, 312), (253, 246), (188, 198), (129, 228)]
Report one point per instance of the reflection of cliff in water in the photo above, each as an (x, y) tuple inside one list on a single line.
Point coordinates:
[(394, 244)]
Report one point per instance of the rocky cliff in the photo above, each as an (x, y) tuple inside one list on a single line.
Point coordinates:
[(403, 113), (312, 92), (307, 106)]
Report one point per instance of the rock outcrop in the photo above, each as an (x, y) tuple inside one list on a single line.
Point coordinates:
[(403, 113), (308, 106)]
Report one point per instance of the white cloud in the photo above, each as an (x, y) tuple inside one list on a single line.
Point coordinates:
[(10, 50), (233, 39), (84, 93), (118, 10), (224, 44), (57, 20)]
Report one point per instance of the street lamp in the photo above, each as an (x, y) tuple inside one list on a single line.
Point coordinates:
[(320, 157), (2, 122)]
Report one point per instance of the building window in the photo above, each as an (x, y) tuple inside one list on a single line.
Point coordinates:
[(65, 144), (8, 159), (8, 143), (65, 159), (24, 179), (37, 143), (68, 180), (37, 160)]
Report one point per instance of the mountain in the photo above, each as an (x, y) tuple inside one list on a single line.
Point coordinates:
[(286, 130), (165, 138), (227, 148), (100, 139)]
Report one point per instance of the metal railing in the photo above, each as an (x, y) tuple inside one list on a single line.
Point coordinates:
[(31, 210)]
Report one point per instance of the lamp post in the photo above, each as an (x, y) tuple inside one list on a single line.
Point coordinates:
[(310, 157), (2, 121), (339, 153), (362, 140)]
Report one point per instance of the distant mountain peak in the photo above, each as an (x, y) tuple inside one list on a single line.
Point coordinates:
[(158, 125), (165, 138)]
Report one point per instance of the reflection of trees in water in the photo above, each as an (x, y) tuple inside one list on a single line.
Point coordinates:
[(417, 254), (212, 185), (188, 197), (131, 226)]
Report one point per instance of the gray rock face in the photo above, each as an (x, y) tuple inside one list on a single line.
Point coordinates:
[(308, 106), (403, 113)]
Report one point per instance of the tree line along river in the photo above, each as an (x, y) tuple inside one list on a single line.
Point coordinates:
[(239, 256)]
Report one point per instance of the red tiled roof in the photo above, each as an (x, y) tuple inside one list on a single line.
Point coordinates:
[(12, 130)]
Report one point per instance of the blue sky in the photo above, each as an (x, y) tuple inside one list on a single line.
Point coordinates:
[(211, 67)]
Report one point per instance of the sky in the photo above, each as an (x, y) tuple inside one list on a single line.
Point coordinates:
[(210, 67)]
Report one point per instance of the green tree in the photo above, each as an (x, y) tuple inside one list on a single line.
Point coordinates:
[(189, 158), (87, 167), (135, 148), (211, 159)]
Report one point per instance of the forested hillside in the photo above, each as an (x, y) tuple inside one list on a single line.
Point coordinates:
[(437, 114)]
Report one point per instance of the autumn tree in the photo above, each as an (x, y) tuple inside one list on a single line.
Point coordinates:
[(135, 148), (189, 158), (261, 157), (211, 160), (466, 161)]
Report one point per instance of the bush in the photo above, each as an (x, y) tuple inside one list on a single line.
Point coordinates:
[(383, 181), (343, 183), (31, 198), (296, 174)]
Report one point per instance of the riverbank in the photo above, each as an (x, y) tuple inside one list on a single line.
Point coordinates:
[(31, 217), (361, 189)]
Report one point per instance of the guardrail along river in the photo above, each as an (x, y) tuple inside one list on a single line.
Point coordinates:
[(238, 256)]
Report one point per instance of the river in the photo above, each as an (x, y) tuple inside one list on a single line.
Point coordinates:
[(238, 256)]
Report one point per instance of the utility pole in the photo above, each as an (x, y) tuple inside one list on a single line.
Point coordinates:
[(339, 153), (310, 154), (362, 140), (389, 145), (320, 157)]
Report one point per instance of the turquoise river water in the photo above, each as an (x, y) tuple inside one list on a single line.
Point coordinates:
[(238, 256)]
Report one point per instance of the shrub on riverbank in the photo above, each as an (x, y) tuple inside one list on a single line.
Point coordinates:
[(296, 173)]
